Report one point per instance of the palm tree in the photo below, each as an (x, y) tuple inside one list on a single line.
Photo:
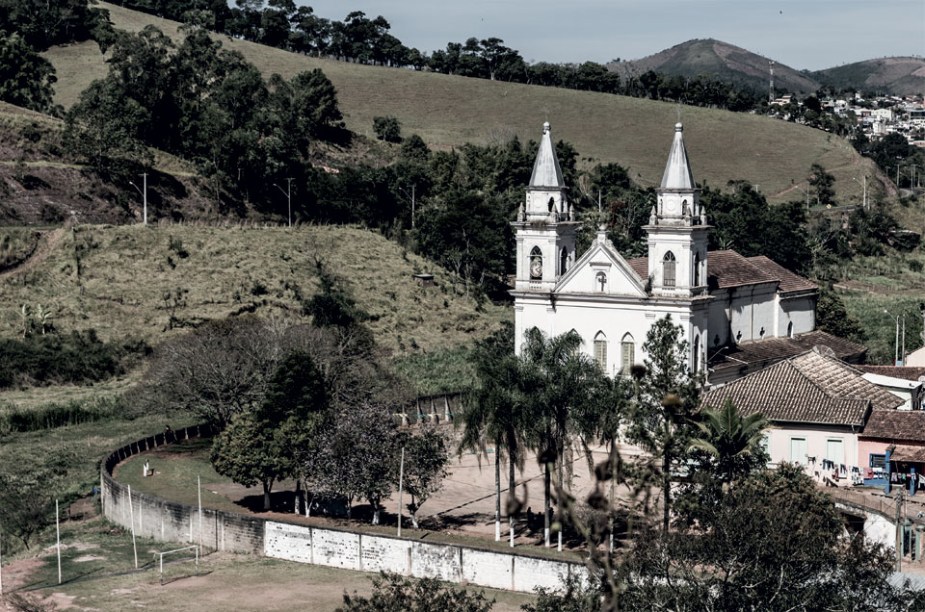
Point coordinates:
[(493, 415), (732, 441), (555, 381)]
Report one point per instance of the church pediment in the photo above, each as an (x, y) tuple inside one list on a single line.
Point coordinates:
[(602, 270)]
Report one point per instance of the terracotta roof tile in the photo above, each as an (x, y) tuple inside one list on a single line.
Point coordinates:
[(809, 388), (762, 353), (894, 425), (914, 454), (640, 265), (729, 269), (789, 282), (904, 372)]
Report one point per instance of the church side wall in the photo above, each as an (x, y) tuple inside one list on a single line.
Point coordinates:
[(742, 312), (801, 311)]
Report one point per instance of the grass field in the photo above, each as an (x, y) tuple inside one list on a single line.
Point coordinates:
[(127, 281), (448, 111)]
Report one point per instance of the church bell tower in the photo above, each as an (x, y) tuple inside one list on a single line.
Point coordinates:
[(545, 227), (677, 230)]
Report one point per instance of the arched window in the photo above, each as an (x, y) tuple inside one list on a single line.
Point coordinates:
[(696, 269), (563, 261), (669, 266), (551, 204), (601, 281), (536, 264), (627, 354), (600, 350), (696, 363), (790, 329)]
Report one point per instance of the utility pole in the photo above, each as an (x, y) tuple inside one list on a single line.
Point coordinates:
[(144, 196), (899, 529), (288, 194)]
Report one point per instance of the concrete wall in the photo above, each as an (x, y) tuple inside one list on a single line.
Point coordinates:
[(452, 563), (171, 522)]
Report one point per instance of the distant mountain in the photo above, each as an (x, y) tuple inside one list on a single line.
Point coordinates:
[(889, 75), (722, 61)]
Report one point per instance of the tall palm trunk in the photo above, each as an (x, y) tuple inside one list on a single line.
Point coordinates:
[(497, 492), (511, 487), (547, 474)]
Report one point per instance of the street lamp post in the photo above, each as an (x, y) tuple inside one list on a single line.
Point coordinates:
[(896, 352), (144, 196), (863, 187), (288, 194)]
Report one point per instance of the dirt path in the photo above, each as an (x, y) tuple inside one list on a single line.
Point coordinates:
[(47, 243)]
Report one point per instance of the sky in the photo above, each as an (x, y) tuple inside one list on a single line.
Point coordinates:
[(802, 34)]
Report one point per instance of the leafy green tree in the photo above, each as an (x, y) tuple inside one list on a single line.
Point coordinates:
[(833, 317), (26, 78), (822, 184), (387, 129), (260, 447), (44, 24), (669, 394), (394, 593), (426, 458), (249, 453), (795, 556), (104, 129), (359, 458)]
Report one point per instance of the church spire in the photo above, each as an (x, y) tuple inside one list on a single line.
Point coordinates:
[(678, 170), (546, 170)]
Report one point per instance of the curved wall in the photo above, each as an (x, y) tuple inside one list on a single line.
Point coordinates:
[(226, 531)]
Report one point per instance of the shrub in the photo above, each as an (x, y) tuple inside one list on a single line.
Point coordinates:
[(387, 129)]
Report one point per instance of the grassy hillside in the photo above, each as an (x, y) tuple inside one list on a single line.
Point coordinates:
[(39, 186), (130, 280), (448, 111), (723, 61), (896, 75)]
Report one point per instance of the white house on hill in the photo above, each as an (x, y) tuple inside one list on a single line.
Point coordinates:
[(725, 303)]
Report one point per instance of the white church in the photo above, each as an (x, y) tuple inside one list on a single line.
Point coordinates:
[(739, 314)]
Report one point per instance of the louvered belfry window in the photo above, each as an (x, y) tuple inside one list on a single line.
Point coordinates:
[(669, 267)]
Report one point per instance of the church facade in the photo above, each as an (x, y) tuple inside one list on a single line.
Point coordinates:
[(720, 299)]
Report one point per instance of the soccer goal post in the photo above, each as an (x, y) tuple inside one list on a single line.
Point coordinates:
[(160, 556)]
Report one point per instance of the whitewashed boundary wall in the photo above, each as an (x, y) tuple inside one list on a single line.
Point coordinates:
[(168, 521)]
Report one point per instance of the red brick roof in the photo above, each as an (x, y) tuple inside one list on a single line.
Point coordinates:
[(895, 425), (789, 282), (809, 388), (756, 354), (729, 269), (904, 372)]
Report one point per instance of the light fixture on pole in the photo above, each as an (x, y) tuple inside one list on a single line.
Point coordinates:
[(144, 196), (288, 193)]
